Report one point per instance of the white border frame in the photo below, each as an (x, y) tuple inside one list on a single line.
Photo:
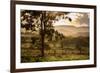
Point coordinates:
[(52, 64)]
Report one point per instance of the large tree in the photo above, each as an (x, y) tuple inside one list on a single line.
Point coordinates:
[(42, 21)]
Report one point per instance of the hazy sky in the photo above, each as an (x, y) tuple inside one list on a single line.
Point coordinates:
[(78, 20)]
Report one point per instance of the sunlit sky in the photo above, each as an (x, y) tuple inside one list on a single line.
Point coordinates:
[(78, 20)]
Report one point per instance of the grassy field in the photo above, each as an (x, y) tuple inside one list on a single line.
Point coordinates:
[(53, 55), (65, 49)]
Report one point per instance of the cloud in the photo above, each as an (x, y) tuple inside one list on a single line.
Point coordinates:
[(79, 18)]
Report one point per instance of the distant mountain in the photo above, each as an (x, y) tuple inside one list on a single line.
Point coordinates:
[(67, 30)]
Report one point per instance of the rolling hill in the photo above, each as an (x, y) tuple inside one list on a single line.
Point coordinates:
[(73, 31)]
